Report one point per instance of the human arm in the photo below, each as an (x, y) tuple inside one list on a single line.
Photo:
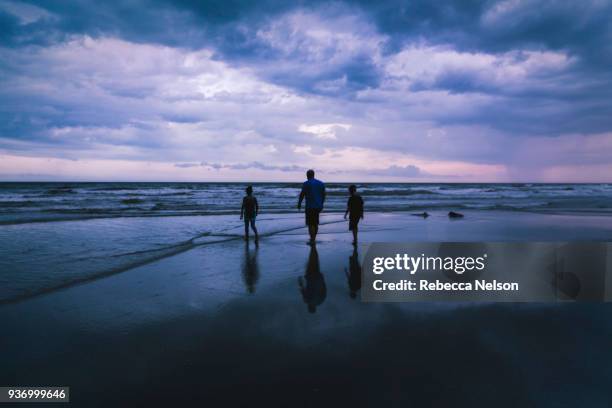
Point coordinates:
[(323, 195), (348, 203), (256, 207), (242, 209), (301, 198)]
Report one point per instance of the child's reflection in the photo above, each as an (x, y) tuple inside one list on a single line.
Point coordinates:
[(314, 290), (353, 274), (250, 268)]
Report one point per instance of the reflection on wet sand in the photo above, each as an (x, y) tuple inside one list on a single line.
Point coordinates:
[(250, 268), (312, 284), (353, 274)]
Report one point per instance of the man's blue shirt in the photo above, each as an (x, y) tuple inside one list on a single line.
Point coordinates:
[(313, 190)]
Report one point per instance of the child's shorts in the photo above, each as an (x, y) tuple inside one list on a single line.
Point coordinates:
[(353, 221)]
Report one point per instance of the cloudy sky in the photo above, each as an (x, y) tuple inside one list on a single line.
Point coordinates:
[(411, 90)]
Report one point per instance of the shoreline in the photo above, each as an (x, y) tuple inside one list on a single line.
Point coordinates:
[(576, 212), (477, 225)]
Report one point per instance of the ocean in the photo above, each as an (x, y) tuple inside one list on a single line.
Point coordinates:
[(54, 235), (39, 202)]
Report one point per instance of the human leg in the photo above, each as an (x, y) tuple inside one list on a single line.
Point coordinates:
[(254, 229)]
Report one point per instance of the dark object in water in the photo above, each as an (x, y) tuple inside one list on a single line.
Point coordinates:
[(453, 214), (60, 190), (132, 201), (423, 214)]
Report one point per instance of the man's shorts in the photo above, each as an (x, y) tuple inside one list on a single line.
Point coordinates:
[(353, 221), (312, 216)]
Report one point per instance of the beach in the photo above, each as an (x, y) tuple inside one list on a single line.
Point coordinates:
[(317, 204), (215, 320)]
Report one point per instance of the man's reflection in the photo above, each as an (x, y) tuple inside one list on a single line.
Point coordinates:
[(353, 274), (314, 289), (250, 268)]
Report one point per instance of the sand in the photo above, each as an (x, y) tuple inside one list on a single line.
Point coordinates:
[(226, 324)]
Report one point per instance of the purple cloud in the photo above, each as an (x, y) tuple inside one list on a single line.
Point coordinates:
[(389, 89)]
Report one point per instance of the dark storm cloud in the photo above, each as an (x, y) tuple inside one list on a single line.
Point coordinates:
[(507, 70), (8, 26), (173, 23), (499, 26), (229, 26), (474, 25), (580, 28), (471, 25)]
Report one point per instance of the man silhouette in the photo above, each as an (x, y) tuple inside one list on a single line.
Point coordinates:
[(314, 192)]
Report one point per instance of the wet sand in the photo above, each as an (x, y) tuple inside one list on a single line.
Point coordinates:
[(228, 324)]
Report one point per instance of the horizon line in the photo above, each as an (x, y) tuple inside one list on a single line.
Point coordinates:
[(297, 182)]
